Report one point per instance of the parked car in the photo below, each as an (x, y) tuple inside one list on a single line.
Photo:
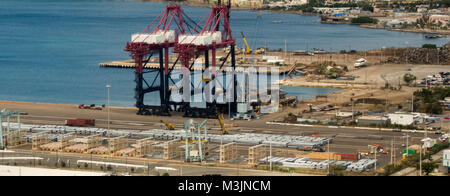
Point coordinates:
[(396, 130)]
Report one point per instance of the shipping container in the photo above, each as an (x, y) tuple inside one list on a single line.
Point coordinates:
[(348, 156), (80, 122), (410, 151)]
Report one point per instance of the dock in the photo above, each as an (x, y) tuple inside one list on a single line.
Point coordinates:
[(130, 64)]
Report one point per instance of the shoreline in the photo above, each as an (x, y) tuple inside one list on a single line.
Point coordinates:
[(247, 8), (55, 104)]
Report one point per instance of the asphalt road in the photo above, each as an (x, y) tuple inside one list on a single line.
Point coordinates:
[(346, 140)]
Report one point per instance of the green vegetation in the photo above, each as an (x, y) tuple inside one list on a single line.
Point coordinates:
[(427, 167), (408, 78), (366, 6), (431, 46), (413, 160), (427, 100), (337, 170), (165, 174), (364, 19)]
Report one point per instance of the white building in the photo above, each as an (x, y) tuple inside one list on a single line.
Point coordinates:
[(401, 119), (446, 158), (428, 142)]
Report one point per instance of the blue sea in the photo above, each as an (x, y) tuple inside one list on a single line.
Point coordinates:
[(50, 49)]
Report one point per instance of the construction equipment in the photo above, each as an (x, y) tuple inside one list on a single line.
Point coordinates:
[(248, 50), (168, 125), (196, 142), (7, 114), (92, 107), (376, 147), (222, 125), (313, 148)]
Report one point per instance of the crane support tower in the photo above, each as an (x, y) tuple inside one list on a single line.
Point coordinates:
[(157, 41), (176, 30), (195, 141), (215, 34), (7, 114)]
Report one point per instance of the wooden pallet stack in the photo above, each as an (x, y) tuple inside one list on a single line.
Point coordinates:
[(85, 144), (129, 152), (54, 146), (78, 148), (98, 150), (144, 146), (63, 142), (16, 138), (170, 149), (39, 139), (255, 153), (117, 143), (228, 152), (93, 141)]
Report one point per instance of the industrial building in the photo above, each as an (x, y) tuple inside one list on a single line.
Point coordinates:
[(446, 159), (401, 119), (372, 120)]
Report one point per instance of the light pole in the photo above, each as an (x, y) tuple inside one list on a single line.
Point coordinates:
[(108, 86), (406, 53)]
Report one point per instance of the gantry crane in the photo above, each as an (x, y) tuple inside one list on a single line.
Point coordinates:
[(195, 141), (157, 41), (7, 114)]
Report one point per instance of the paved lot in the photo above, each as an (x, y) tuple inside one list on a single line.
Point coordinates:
[(347, 140)]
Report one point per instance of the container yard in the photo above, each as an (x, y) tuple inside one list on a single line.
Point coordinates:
[(200, 105)]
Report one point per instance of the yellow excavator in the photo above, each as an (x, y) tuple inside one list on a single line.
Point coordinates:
[(248, 50), (224, 130), (168, 125)]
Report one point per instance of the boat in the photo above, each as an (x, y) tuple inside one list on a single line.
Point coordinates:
[(277, 21), (432, 35), (360, 63)]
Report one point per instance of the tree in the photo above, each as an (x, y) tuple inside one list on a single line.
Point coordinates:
[(428, 167), (408, 78), (431, 46)]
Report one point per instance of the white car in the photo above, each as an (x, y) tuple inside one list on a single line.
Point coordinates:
[(413, 131)]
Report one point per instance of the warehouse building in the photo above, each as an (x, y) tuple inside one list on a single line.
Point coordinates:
[(401, 119), (372, 120)]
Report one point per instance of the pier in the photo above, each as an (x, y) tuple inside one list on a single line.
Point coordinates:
[(130, 64)]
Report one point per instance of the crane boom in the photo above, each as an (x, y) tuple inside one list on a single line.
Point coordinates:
[(224, 130), (248, 50), (168, 125)]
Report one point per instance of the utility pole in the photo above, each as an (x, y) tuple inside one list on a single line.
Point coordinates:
[(270, 142), (420, 161), (376, 161), (407, 145), (406, 53), (108, 87), (392, 150), (328, 157)]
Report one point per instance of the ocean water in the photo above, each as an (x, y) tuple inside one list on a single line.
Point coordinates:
[(50, 49)]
